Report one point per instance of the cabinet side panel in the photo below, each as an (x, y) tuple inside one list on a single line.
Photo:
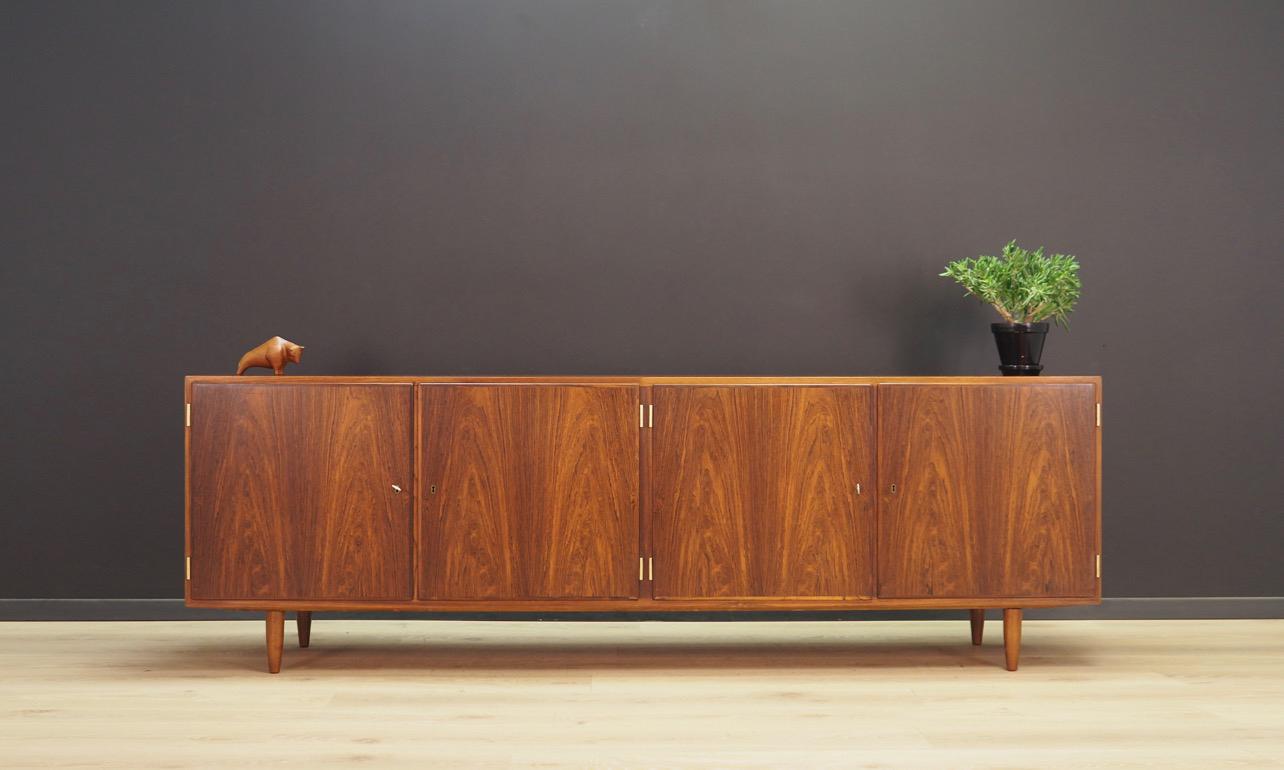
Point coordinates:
[(292, 491)]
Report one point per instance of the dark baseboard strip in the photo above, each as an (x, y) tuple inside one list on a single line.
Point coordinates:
[(1133, 608)]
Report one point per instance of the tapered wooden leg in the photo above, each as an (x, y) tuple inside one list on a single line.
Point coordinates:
[(978, 625), (275, 640), (1012, 638), (304, 621)]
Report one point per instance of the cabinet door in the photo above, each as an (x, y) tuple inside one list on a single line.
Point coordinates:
[(292, 491), (995, 491), (530, 491), (754, 491)]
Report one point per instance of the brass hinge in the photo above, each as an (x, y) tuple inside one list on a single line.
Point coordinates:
[(645, 414), (188, 561), (650, 573), (1098, 566), (641, 571), (1098, 414), (187, 415)]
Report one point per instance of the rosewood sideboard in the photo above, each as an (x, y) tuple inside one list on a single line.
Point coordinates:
[(642, 494)]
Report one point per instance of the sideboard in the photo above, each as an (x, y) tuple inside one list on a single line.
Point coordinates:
[(642, 494)]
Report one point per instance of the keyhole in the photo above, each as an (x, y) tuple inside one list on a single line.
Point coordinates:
[(893, 489), (432, 489)]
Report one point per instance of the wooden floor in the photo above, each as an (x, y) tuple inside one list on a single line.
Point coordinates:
[(462, 694)]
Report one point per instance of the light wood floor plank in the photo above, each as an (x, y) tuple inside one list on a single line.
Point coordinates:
[(464, 694)]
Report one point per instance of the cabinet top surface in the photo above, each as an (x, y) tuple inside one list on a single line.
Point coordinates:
[(640, 379)]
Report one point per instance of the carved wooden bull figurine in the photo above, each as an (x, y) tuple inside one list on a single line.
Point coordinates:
[(273, 354)]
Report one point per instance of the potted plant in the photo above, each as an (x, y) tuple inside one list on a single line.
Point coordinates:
[(1025, 287)]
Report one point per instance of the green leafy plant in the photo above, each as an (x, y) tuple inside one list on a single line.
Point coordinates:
[(1024, 286)]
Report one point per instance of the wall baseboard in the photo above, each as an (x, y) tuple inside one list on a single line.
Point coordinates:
[(1131, 608)]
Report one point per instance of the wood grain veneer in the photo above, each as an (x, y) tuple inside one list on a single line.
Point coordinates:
[(536, 492), (644, 604), (995, 494), (292, 491), (754, 491)]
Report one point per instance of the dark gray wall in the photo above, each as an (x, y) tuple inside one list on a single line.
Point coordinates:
[(623, 187)]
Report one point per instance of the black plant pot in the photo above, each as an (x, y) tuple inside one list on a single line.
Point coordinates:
[(1020, 347)]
